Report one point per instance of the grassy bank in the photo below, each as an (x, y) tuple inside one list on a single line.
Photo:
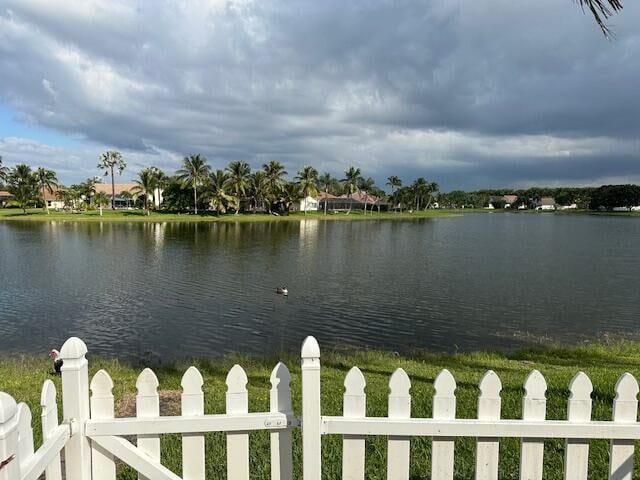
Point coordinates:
[(22, 377), (139, 216)]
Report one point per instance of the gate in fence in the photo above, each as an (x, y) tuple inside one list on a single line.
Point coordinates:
[(92, 438)]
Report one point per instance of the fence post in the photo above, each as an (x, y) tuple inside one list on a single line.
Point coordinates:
[(75, 406), (8, 438), (311, 442)]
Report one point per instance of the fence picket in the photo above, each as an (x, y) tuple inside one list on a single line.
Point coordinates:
[(487, 449), (103, 466), (625, 410), (237, 443), (49, 421), (444, 408), (534, 407), (354, 406), (148, 406), (8, 438), (281, 441), (193, 461), (398, 448), (576, 462), (25, 436), (311, 444)]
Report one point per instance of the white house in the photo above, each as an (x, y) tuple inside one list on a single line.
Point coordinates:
[(546, 203), (309, 204), (52, 199)]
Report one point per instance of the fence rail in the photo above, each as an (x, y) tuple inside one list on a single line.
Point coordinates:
[(93, 439)]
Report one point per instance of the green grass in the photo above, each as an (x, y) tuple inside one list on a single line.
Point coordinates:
[(23, 376), (8, 214)]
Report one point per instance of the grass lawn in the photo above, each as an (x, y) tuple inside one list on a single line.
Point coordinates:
[(23, 376), (7, 214)]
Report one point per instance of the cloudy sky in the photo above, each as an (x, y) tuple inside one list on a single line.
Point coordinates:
[(469, 94)]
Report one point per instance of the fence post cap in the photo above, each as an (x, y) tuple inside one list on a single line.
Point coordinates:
[(310, 348), (8, 407), (73, 348)]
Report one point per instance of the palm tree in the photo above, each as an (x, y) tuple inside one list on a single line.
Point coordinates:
[(127, 195), (194, 173), (274, 181), (394, 182), (162, 180), (238, 180), (218, 197), (432, 188), (308, 182), (109, 161), (419, 187), (4, 172), (366, 185), (62, 195), (47, 180), (326, 181), (23, 185), (74, 195), (145, 185), (350, 181), (257, 188), (100, 200), (290, 194)]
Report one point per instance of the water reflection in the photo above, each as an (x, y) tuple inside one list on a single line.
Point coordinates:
[(202, 289)]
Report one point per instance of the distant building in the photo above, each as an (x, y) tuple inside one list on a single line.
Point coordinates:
[(52, 200), (502, 201), (510, 200), (357, 201), (120, 188), (4, 197), (308, 204), (546, 203)]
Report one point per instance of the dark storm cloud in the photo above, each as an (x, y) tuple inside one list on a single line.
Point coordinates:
[(457, 91)]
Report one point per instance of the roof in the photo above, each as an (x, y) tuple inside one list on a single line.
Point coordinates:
[(547, 201), (323, 195), (510, 198), (341, 200), (4, 194), (362, 197), (119, 187), (51, 195)]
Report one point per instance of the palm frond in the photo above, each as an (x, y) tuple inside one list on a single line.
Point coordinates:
[(601, 11)]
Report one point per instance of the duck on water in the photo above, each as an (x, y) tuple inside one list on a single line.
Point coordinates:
[(282, 291)]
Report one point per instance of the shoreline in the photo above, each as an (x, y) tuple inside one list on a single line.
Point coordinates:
[(13, 215), (36, 215)]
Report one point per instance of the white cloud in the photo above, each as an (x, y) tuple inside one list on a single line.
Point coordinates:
[(418, 86)]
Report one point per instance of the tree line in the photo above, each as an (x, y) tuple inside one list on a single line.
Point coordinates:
[(196, 186), (605, 197)]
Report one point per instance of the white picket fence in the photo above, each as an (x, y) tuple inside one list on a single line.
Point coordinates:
[(92, 438)]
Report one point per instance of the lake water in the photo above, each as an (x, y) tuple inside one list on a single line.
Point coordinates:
[(479, 281)]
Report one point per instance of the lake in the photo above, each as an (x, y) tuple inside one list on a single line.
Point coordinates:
[(174, 290)]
